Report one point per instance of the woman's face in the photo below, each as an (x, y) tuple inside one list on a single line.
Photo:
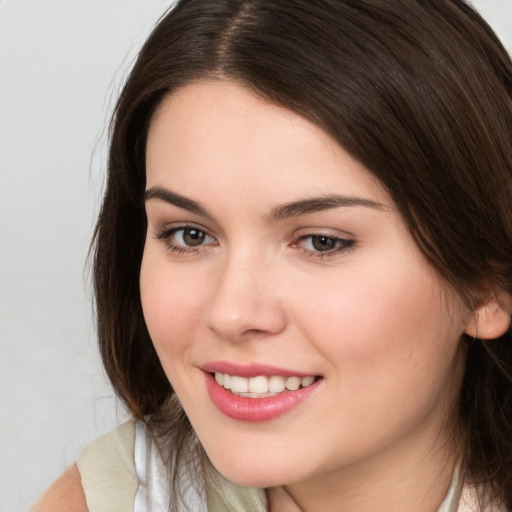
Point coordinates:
[(275, 258)]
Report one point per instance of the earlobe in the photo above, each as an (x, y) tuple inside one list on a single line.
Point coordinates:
[(491, 319)]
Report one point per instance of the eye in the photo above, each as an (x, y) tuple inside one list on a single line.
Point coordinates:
[(185, 239), (191, 237), (324, 245)]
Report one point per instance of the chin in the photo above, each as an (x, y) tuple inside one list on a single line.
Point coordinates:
[(247, 474), (252, 481)]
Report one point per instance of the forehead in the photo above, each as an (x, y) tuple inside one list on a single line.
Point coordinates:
[(219, 108), (220, 135)]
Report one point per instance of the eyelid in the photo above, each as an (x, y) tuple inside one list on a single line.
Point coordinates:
[(343, 243), (323, 231), (166, 234)]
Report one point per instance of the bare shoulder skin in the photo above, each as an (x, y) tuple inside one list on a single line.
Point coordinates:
[(65, 495)]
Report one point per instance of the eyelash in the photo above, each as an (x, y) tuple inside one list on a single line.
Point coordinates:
[(339, 244), (168, 236)]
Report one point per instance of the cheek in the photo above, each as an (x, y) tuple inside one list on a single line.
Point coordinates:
[(391, 344), (170, 305), (396, 327)]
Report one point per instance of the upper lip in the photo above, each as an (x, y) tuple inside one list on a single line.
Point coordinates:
[(249, 370)]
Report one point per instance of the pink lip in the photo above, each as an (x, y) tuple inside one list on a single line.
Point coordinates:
[(249, 370), (256, 409)]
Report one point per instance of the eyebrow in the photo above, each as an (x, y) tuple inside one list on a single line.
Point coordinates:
[(317, 204), (178, 200), (280, 212)]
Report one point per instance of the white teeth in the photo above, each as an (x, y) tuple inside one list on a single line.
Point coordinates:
[(255, 395), (258, 384), (239, 384), (293, 383), (307, 381), (257, 387), (276, 384)]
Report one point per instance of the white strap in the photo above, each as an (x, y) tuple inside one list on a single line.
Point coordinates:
[(153, 491)]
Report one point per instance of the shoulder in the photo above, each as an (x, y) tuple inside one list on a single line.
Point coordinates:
[(111, 450), (107, 470), (103, 479), (65, 495)]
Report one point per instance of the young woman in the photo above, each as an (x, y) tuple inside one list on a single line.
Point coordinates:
[(303, 264)]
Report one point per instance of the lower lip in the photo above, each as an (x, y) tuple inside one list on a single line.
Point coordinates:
[(256, 409)]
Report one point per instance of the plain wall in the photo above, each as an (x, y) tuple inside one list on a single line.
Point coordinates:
[(61, 65)]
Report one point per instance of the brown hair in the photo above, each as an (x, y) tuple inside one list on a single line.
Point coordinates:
[(419, 91)]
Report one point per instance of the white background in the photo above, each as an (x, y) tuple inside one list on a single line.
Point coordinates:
[(61, 66)]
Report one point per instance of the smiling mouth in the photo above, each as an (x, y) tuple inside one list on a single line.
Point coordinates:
[(262, 386)]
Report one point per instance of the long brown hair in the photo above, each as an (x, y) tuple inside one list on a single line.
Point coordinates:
[(419, 91)]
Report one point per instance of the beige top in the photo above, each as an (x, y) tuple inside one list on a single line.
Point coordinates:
[(108, 472), (115, 475)]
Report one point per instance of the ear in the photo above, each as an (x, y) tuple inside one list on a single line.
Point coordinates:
[(491, 318)]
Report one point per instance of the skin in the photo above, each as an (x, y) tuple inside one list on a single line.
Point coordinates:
[(66, 494), (374, 319)]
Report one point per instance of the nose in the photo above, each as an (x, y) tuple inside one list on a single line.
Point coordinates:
[(244, 303)]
